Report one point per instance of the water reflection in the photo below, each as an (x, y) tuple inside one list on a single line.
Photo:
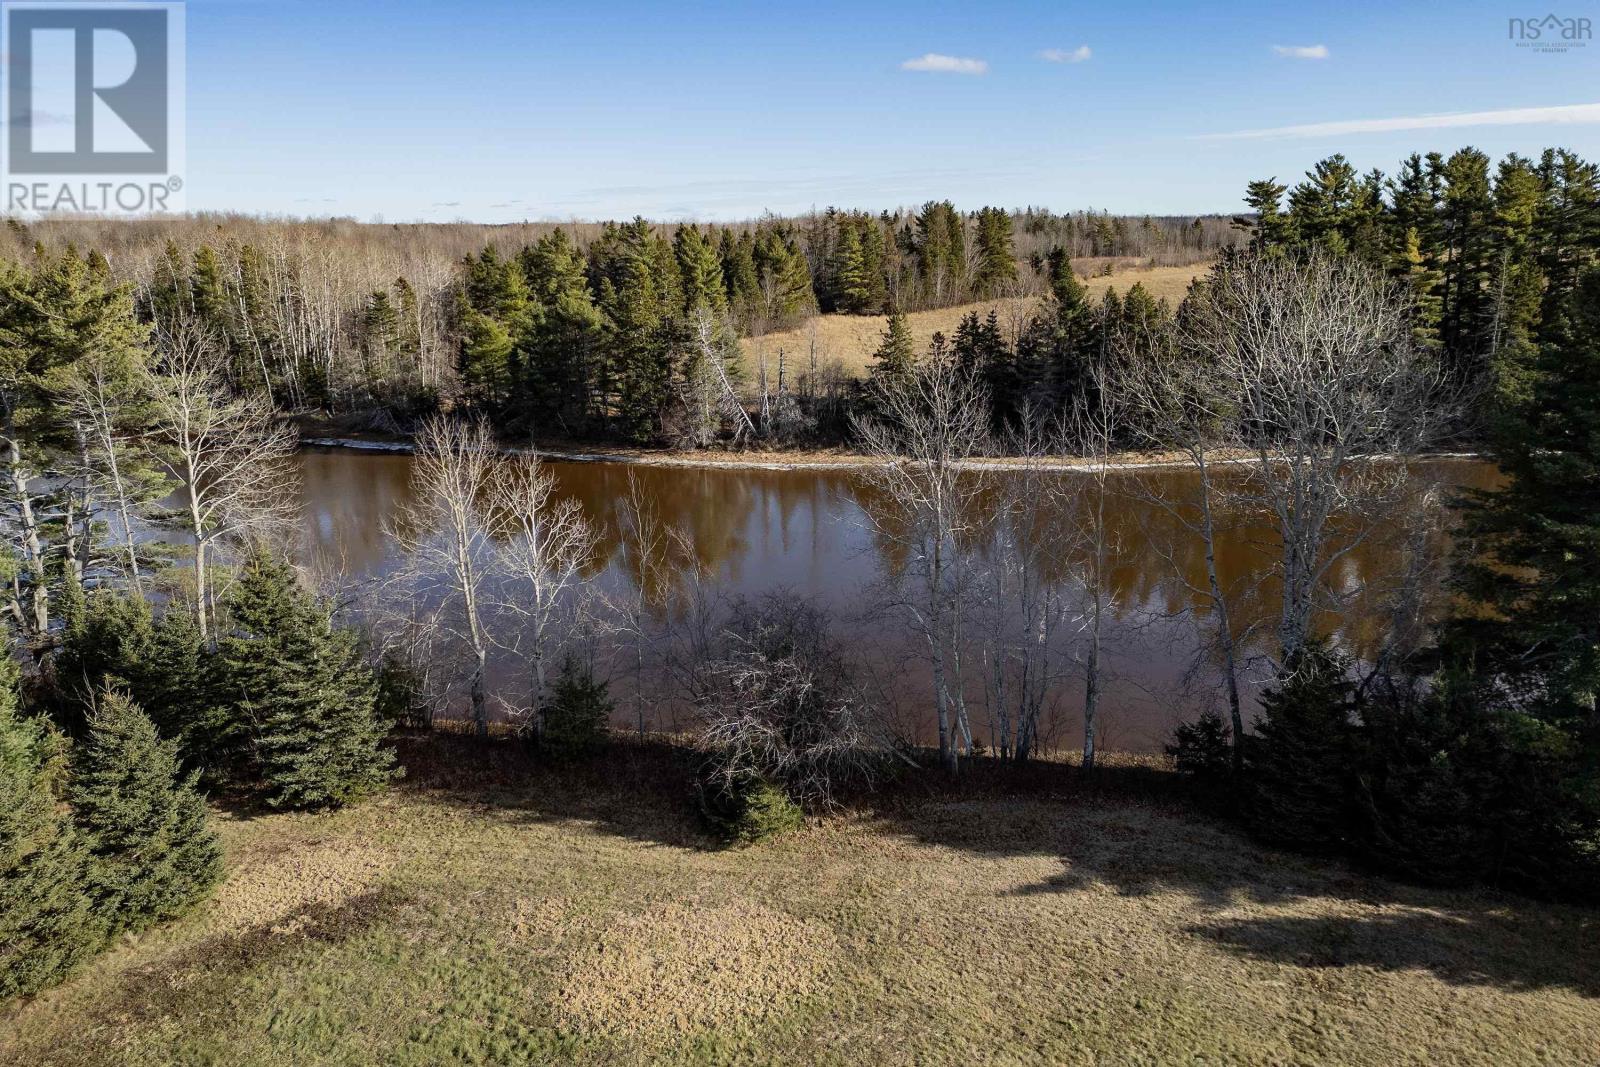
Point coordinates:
[(752, 531)]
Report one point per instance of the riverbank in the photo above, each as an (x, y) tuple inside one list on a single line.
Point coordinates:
[(492, 910), (802, 459)]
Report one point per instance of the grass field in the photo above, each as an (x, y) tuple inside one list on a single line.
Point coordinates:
[(850, 340), (489, 912)]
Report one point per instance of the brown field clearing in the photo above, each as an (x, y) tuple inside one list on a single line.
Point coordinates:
[(489, 911), (850, 340)]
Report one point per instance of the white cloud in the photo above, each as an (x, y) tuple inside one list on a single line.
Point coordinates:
[(1061, 55), (1563, 115), (934, 63), (1302, 51)]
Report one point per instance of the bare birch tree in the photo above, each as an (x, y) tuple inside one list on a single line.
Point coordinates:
[(229, 454), (1330, 399), (445, 535), (922, 431), (546, 544)]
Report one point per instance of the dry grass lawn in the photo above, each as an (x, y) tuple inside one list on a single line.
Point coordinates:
[(850, 340), (488, 912)]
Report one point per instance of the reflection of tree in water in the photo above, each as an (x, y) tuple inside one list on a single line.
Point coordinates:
[(746, 531)]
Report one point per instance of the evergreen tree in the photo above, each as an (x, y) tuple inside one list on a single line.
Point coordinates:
[(55, 315), (563, 373), (781, 267), (1466, 315), (941, 252), (895, 360), (1270, 228), (997, 258), (852, 292), (578, 716), (46, 924), (1322, 207), (739, 271), (1300, 760), (701, 270), (152, 855), (304, 689), (1537, 538)]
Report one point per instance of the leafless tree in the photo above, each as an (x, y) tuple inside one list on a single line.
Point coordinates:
[(1329, 398), (229, 453), (1091, 432), (1176, 404), (102, 396), (711, 397), (546, 544), (445, 536), (780, 703), (922, 431)]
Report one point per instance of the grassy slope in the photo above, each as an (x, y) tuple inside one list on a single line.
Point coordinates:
[(585, 919), (851, 339)]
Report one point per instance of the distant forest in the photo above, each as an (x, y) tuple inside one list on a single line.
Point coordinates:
[(629, 331)]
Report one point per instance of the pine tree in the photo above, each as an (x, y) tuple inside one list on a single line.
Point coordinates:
[(1538, 537), (1466, 316), (1321, 207), (302, 685), (578, 715), (997, 258), (152, 854), (46, 924)]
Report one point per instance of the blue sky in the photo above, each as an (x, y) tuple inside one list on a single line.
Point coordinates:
[(598, 109)]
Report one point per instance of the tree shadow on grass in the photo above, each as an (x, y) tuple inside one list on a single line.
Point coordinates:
[(1513, 949), (1131, 831), (1127, 830), (639, 790)]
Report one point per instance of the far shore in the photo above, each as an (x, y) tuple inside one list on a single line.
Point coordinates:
[(805, 459)]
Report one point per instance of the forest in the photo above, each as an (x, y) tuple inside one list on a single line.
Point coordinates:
[(168, 656)]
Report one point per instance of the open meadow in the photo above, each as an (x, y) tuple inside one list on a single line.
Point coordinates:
[(848, 341), (492, 911)]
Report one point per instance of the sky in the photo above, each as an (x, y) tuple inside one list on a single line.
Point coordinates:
[(593, 109)]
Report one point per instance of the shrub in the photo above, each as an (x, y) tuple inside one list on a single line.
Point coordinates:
[(400, 699), (152, 854), (578, 717), (46, 923), (1202, 749), (780, 706), (1454, 793), (749, 810), (1202, 753)]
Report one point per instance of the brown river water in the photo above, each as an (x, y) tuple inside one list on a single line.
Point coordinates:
[(808, 531)]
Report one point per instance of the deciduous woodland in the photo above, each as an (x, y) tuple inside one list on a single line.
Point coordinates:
[(178, 675)]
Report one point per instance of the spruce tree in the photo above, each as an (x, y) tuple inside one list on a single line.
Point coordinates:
[(46, 923), (302, 686), (1300, 761), (895, 360), (152, 854)]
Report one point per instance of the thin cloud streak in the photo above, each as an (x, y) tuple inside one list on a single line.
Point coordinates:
[(1080, 54), (1563, 115), (934, 63), (1302, 51)]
